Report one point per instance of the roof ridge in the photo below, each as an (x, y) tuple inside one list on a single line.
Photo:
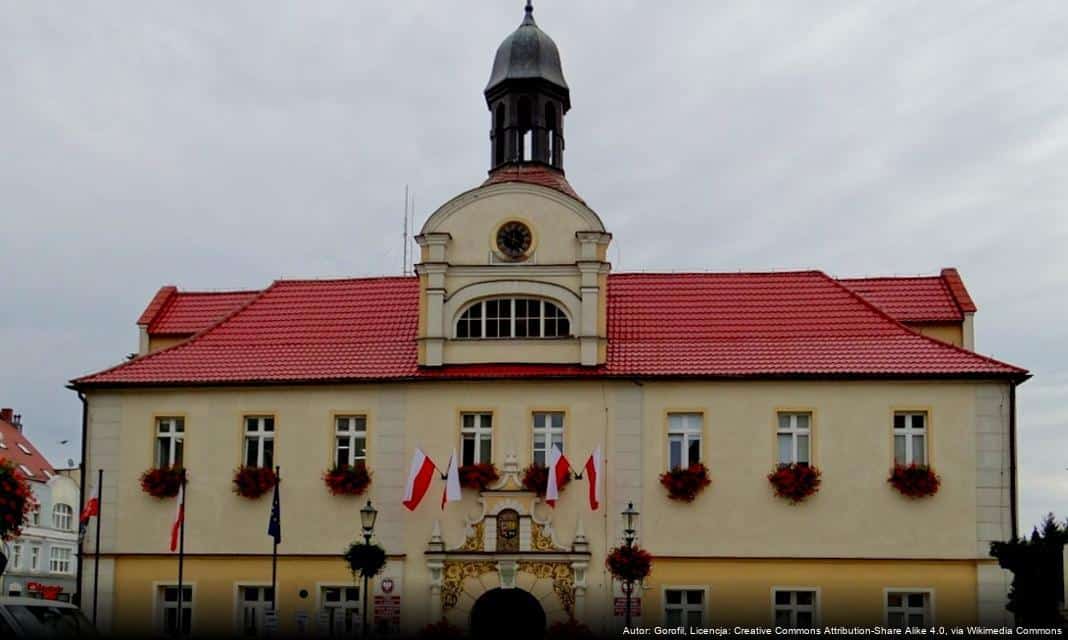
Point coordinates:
[(184, 343), (907, 329), (344, 279), (716, 273), (869, 278), (227, 292)]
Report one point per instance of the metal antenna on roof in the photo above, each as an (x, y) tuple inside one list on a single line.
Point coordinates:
[(404, 258)]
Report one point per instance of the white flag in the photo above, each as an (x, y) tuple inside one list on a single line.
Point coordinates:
[(452, 482)]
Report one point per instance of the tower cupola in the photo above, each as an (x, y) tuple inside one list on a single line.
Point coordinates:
[(527, 98)]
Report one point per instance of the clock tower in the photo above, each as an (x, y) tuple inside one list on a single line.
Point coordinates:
[(515, 270)]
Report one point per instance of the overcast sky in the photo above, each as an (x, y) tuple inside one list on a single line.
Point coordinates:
[(221, 145)]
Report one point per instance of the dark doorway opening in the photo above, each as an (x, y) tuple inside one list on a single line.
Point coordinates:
[(511, 613)]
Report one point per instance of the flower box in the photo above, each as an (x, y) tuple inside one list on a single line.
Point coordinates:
[(253, 482), (478, 476), (629, 563), (914, 480), (536, 479), (795, 482), (685, 484), (347, 480), (16, 500), (162, 482)]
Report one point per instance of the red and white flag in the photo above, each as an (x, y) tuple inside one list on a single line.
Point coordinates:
[(179, 518), (420, 475), (593, 474), (452, 491), (92, 507), (558, 468)]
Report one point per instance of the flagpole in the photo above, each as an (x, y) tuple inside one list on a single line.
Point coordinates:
[(181, 557), (274, 554), (96, 560)]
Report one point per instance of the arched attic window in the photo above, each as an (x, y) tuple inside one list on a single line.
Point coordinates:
[(513, 318)]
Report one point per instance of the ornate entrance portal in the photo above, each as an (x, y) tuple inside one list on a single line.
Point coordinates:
[(512, 612)]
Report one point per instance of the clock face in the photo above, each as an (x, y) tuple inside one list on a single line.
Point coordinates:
[(514, 239)]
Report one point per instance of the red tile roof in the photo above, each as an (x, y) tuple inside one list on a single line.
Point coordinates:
[(187, 312), (941, 298), (533, 174), (10, 440), (700, 325)]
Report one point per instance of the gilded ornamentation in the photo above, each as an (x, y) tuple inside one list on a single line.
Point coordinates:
[(562, 576), (539, 540), (475, 542), (453, 575)]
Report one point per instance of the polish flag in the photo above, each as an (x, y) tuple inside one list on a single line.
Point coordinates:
[(558, 468), (420, 474), (179, 517), (92, 507), (593, 473), (452, 482)]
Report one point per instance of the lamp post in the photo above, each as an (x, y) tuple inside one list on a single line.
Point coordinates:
[(367, 518), (630, 519)]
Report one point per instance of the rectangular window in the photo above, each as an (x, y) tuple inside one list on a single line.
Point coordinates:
[(910, 438), (498, 318), (16, 556), (35, 558), (548, 430), (171, 622), (476, 430), (794, 436), (63, 517), (795, 608), (253, 604), (59, 560), (170, 434), (684, 607), (350, 440), (684, 439), (35, 517), (341, 610), (259, 441), (908, 609)]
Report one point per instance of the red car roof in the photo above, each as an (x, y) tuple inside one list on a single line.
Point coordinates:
[(695, 325), (941, 298), (14, 447)]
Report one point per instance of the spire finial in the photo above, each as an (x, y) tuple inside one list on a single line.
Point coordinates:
[(530, 6)]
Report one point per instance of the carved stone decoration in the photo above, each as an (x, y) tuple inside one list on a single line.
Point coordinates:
[(508, 530), (540, 539), (453, 576), (476, 541), (562, 576)]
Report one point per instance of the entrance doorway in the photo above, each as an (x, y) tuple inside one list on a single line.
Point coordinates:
[(511, 613)]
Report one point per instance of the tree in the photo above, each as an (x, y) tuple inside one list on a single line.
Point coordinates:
[(1037, 566)]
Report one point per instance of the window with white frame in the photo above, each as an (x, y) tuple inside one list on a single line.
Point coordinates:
[(253, 604), (513, 318), (350, 440), (476, 432), (684, 439), (684, 607), (910, 437), (63, 517), (908, 609), (341, 609), (794, 436), (259, 441), (16, 556), (795, 608), (59, 560), (35, 517), (35, 558), (170, 437), (548, 431), (172, 622)]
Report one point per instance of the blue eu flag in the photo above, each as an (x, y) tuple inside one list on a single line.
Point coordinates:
[(274, 528)]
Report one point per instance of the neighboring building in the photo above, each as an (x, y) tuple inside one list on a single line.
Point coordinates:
[(43, 561), (515, 335)]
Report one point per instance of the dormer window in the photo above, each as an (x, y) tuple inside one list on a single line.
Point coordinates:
[(513, 318)]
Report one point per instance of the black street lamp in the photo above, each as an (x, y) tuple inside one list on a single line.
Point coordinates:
[(367, 518), (630, 520)]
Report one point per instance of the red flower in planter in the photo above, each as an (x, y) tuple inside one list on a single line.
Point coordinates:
[(253, 482), (536, 479), (795, 482), (346, 480), (915, 480), (629, 563), (685, 484), (477, 476), (162, 482), (16, 500)]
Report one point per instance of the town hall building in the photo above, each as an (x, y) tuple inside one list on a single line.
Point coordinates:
[(515, 335)]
